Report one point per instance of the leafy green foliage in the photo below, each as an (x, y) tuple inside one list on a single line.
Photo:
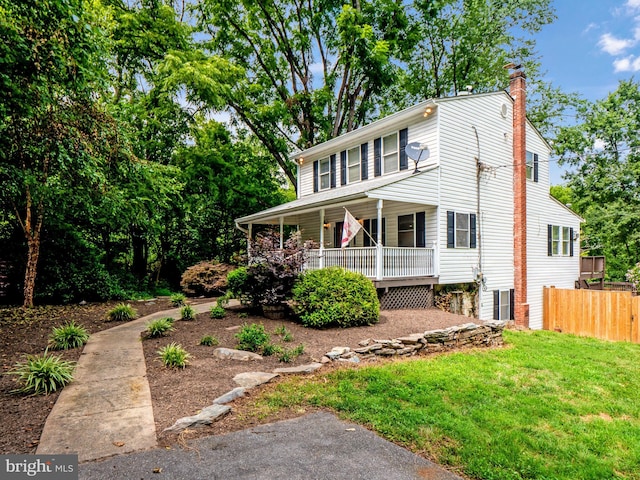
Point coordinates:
[(335, 297), (177, 299), (217, 312), (282, 331), (288, 355), (174, 355), (187, 313), (209, 341), (43, 374), (252, 337), (68, 336), (269, 349), (159, 327), (237, 282), (121, 313)]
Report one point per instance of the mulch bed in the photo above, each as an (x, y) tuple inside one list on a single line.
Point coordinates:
[(176, 392)]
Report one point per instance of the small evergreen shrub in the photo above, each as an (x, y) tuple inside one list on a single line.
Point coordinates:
[(44, 373), (209, 341), (289, 355), (68, 336), (159, 327), (174, 356), (237, 282), (270, 349), (205, 278), (187, 313), (252, 337), (217, 312), (177, 299), (335, 297), (122, 313)]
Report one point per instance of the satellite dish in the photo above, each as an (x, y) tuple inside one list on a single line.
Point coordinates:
[(417, 152)]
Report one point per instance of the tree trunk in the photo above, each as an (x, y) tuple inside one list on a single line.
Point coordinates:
[(139, 244), (33, 242)]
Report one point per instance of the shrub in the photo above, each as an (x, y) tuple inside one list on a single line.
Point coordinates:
[(187, 313), (43, 373), (159, 327), (68, 336), (205, 278), (173, 355), (289, 355), (270, 349), (237, 282), (252, 337), (284, 333), (217, 312), (335, 297), (121, 313), (177, 299), (209, 341)]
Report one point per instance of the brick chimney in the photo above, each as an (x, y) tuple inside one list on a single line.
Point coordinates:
[(517, 90)]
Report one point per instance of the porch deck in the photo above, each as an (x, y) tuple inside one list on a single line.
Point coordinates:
[(397, 263)]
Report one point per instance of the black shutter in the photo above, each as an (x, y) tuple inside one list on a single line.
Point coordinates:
[(316, 175), (366, 225), (535, 167), (404, 139), (571, 242), (364, 161), (332, 169), (343, 167), (420, 230), (512, 304), (549, 240), (496, 304), (377, 157), (472, 230), (337, 235), (451, 232)]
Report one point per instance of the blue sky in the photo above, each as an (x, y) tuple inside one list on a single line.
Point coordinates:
[(591, 46)]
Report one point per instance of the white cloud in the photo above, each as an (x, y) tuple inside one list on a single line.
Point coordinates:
[(613, 45), (599, 144), (626, 64), (633, 4)]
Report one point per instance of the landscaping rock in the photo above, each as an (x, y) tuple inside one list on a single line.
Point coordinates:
[(337, 351), (206, 417), (253, 379), (311, 367), (230, 396), (231, 354)]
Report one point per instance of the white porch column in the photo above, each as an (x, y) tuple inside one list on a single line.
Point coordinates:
[(436, 259), (281, 233), (321, 252), (379, 252)]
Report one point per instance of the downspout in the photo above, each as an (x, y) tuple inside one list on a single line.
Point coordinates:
[(479, 168), (379, 251)]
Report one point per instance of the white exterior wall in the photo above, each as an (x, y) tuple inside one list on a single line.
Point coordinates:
[(542, 210), (459, 190)]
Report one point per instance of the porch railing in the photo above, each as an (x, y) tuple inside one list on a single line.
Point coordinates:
[(397, 262)]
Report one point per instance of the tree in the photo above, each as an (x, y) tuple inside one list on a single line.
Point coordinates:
[(603, 149), (56, 138)]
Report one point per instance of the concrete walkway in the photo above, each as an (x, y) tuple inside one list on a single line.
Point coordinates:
[(107, 409)]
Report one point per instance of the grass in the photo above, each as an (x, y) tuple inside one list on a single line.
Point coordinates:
[(42, 374), (68, 336), (552, 406)]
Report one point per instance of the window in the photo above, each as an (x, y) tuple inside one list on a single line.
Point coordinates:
[(325, 174), (353, 159), (461, 230), (532, 166), (560, 241), (406, 231), (390, 153), (503, 304), (370, 226)]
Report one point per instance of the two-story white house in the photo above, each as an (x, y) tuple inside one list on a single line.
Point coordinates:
[(455, 220)]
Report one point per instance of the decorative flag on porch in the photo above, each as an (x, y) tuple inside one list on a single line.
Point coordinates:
[(350, 228)]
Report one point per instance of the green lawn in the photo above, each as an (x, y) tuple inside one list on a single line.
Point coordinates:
[(548, 406)]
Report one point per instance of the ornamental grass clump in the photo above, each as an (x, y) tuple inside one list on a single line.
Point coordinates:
[(159, 327), (187, 313), (121, 313), (209, 341), (174, 356), (177, 299), (42, 374), (68, 336)]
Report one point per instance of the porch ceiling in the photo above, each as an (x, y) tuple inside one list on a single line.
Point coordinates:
[(327, 198)]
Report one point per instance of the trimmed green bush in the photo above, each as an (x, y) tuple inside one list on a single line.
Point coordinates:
[(187, 313), (237, 282), (122, 313), (174, 356), (209, 341), (270, 349), (43, 373), (217, 312), (177, 299), (335, 297), (252, 337), (159, 327), (68, 336)]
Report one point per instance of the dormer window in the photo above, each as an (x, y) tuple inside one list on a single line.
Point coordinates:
[(390, 153)]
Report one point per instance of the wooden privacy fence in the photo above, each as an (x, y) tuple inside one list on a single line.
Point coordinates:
[(607, 315)]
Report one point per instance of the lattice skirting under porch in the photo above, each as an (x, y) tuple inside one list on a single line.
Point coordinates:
[(404, 298)]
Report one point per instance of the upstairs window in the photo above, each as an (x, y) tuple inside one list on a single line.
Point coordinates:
[(461, 230), (325, 173), (532, 166), (353, 160), (390, 153), (559, 241)]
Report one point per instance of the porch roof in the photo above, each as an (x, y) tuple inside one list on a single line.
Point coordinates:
[(334, 196)]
